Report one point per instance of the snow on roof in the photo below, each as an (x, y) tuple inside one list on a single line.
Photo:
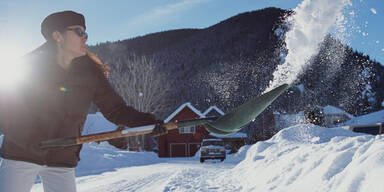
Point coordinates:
[(213, 108), (233, 135), (190, 106), (331, 110), (372, 118)]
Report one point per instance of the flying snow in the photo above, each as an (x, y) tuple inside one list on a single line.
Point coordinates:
[(309, 25)]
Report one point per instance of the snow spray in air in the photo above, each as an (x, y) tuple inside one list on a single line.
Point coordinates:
[(308, 26)]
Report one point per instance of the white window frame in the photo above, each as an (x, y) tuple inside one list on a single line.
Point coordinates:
[(187, 130)]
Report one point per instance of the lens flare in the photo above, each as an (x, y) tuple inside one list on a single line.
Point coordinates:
[(12, 69), (63, 89), (12, 72)]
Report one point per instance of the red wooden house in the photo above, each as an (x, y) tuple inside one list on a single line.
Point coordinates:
[(183, 142)]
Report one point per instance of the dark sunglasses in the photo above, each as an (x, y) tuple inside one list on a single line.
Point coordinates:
[(79, 32)]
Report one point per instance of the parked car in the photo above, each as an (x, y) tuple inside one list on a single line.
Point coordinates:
[(212, 149)]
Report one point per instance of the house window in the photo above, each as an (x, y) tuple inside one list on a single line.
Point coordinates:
[(187, 130)]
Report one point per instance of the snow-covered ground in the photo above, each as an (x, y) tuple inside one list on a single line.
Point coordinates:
[(302, 157), (299, 158), (312, 158)]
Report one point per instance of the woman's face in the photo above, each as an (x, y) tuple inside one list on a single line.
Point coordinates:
[(73, 41)]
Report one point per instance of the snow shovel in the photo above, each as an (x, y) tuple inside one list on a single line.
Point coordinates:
[(235, 120), (224, 125)]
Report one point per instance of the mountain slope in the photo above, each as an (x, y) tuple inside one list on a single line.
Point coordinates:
[(233, 61)]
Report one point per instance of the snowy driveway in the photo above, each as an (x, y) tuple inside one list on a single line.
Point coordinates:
[(174, 175)]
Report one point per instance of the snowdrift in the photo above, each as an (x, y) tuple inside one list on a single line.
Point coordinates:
[(312, 158), (98, 158)]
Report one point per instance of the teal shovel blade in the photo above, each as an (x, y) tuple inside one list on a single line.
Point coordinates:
[(245, 113)]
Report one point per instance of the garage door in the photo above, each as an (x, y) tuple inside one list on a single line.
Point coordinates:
[(178, 150)]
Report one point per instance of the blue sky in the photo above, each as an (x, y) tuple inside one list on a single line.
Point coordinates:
[(122, 19)]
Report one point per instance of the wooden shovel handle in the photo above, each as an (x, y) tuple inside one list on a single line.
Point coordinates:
[(63, 142), (122, 133)]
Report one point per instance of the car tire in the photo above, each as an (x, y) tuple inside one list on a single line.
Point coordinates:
[(202, 160)]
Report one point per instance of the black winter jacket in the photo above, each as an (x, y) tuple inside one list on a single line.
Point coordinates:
[(53, 103)]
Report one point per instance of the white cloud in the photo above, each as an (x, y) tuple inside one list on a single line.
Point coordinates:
[(373, 11), (164, 13)]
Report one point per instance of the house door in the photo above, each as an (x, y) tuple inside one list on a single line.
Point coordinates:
[(178, 150)]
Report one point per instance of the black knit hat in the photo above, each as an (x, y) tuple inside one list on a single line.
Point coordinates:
[(60, 21)]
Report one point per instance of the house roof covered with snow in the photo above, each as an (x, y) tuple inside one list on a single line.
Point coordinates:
[(190, 106), (213, 108), (372, 118), (331, 110)]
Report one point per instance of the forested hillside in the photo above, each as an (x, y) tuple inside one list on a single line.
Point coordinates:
[(232, 61)]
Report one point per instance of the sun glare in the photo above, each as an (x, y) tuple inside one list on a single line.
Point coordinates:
[(11, 69)]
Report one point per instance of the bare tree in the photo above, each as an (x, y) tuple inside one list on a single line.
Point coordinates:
[(142, 85)]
